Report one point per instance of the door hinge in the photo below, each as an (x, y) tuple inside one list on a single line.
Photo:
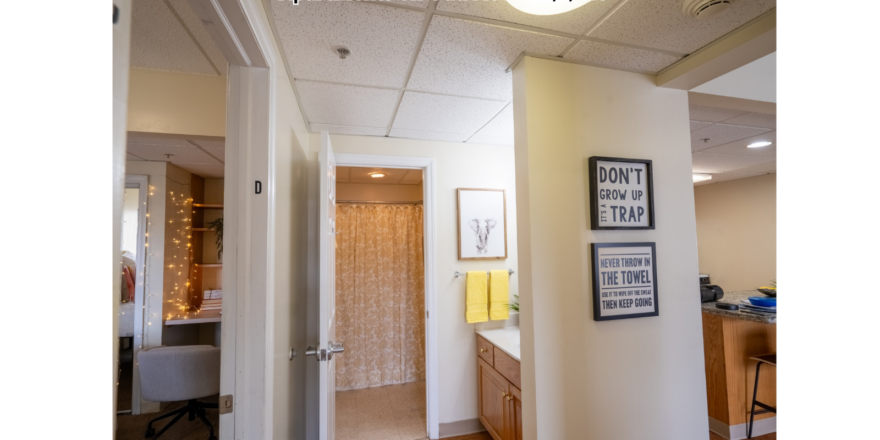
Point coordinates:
[(226, 404)]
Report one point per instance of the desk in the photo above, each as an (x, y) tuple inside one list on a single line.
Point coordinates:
[(207, 333), (195, 318)]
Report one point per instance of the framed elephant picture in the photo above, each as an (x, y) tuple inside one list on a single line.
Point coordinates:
[(482, 224)]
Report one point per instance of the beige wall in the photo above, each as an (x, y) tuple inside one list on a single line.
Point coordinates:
[(176, 103), (630, 379), (736, 232), (458, 165), (120, 42), (372, 192)]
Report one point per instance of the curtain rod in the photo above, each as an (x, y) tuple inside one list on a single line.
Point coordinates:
[(381, 203)]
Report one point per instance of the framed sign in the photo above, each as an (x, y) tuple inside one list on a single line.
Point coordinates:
[(624, 281), (621, 193), (482, 224)]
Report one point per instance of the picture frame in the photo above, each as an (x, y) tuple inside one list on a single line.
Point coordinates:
[(482, 223), (626, 288), (626, 214)]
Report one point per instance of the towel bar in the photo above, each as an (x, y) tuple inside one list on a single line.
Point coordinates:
[(459, 274)]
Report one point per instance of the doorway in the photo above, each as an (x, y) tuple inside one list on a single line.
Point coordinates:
[(380, 303)]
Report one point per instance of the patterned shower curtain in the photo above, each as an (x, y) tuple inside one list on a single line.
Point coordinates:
[(380, 295)]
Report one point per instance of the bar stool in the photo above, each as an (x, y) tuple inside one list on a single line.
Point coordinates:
[(765, 359)]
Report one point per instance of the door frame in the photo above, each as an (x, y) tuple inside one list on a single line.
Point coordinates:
[(428, 167), (143, 183), (247, 333)]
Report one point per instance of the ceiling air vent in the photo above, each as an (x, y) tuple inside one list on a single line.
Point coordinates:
[(705, 9)]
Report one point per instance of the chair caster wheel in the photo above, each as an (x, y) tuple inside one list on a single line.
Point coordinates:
[(150, 433)]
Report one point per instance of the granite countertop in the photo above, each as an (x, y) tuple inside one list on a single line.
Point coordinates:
[(506, 338), (736, 298)]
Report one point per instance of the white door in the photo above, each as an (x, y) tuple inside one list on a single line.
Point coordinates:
[(327, 348)]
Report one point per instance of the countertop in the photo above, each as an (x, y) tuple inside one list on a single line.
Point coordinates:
[(506, 338), (736, 298)]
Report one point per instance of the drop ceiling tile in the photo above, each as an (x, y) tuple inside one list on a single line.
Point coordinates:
[(217, 153), (336, 104), (129, 156), (179, 153), (660, 24), (213, 144), (712, 114), (741, 146), (412, 177), (577, 21), (696, 125), (208, 170), (719, 163), (754, 120), (157, 141), (428, 135), (467, 58), (343, 174), (499, 131), (486, 139), (350, 129), (203, 39), (720, 134), (444, 114), (419, 3), (619, 57), (381, 39), (159, 41)]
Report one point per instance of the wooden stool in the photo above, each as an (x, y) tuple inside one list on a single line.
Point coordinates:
[(765, 359)]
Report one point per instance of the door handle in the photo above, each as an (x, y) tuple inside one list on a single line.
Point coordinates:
[(316, 352), (335, 347)]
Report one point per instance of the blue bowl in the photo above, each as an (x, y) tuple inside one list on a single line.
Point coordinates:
[(762, 302)]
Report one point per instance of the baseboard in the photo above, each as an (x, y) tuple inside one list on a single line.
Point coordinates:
[(739, 432), (461, 427)]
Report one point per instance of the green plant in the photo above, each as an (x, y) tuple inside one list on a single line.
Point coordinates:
[(514, 305), (217, 226)]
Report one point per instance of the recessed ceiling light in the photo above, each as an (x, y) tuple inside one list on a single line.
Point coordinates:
[(760, 144), (543, 7), (377, 175), (702, 177)]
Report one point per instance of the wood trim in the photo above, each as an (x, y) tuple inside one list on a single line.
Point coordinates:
[(488, 354), (508, 367), (458, 219)]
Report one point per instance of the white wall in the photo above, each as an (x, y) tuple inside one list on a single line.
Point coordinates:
[(458, 165), (629, 379), (736, 232), (120, 43)]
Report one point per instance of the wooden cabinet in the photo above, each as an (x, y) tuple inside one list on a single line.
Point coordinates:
[(500, 399)]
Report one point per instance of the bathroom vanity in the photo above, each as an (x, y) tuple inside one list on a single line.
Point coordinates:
[(499, 383)]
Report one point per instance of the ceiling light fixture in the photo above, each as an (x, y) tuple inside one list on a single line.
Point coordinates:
[(343, 52), (760, 144), (377, 175), (546, 7), (702, 177)]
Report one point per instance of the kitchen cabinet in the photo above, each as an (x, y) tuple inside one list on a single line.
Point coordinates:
[(500, 399)]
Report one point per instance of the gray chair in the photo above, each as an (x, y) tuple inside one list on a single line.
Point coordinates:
[(172, 374)]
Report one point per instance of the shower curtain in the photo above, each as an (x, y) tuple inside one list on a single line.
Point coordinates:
[(380, 295)]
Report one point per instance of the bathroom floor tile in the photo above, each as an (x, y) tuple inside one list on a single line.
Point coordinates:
[(393, 412)]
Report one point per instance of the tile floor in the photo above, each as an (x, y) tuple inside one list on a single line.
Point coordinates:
[(393, 412)]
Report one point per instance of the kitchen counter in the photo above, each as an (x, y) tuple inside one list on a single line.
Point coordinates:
[(736, 298), (507, 339)]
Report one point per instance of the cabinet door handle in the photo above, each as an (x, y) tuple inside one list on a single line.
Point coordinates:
[(503, 395), (483, 350)]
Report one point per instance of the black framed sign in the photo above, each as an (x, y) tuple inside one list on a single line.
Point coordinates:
[(624, 281), (621, 193)]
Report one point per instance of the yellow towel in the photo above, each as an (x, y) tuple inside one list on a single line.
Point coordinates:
[(499, 295), (477, 298)]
